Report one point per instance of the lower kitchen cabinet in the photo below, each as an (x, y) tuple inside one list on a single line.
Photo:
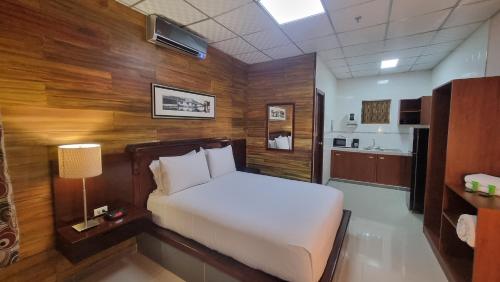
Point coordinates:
[(374, 168)]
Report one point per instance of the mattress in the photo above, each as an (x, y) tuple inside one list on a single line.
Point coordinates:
[(283, 227)]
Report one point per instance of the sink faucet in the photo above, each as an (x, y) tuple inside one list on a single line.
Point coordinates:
[(373, 142)]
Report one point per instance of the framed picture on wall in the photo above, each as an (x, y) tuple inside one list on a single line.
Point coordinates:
[(277, 113), (170, 102)]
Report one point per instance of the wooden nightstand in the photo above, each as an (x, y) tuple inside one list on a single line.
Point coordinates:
[(76, 246)]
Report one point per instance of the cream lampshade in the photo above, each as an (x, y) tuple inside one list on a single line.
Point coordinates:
[(80, 161)]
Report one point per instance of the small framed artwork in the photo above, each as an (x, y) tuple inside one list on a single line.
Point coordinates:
[(170, 102), (277, 113)]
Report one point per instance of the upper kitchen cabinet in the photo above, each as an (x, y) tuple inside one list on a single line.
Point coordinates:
[(415, 111)]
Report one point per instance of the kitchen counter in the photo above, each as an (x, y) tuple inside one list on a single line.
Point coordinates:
[(375, 152)]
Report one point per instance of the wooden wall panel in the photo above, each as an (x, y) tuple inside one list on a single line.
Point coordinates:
[(288, 80), (81, 71)]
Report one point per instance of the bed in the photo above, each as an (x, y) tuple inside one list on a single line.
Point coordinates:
[(252, 227)]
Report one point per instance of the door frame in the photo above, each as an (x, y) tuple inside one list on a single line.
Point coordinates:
[(317, 93)]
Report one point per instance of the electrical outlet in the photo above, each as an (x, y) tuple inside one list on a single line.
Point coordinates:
[(101, 210)]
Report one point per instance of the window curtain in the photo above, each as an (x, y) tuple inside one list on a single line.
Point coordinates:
[(9, 232)]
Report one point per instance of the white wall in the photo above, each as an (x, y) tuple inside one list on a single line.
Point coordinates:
[(468, 60), (326, 82), (493, 63), (351, 92)]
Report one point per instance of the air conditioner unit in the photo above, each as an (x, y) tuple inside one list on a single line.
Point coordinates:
[(163, 33)]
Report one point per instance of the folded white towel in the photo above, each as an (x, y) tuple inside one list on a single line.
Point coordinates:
[(482, 188), (484, 179), (466, 229)]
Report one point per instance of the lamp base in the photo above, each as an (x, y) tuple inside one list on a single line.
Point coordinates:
[(81, 226)]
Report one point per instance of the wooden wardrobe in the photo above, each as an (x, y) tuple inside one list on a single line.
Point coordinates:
[(464, 139)]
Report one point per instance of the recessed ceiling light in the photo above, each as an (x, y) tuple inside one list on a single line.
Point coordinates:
[(284, 11), (386, 64)]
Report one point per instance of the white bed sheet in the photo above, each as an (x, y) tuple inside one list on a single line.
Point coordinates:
[(283, 227)]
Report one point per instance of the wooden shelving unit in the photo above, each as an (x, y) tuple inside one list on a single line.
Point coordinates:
[(415, 111), (456, 148)]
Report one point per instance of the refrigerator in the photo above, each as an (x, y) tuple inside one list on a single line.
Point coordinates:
[(415, 198)]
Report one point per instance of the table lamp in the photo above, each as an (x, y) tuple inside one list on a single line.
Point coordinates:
[(80, 161)]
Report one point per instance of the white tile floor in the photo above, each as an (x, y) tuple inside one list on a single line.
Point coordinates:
[(385, 243)]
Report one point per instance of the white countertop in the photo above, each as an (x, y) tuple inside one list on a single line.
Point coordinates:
[(375, 152)]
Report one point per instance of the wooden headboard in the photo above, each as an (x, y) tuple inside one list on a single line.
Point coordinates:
[(143, 154)]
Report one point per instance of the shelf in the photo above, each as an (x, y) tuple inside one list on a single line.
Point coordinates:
[(452, 217), (474, 199), (410, 111)]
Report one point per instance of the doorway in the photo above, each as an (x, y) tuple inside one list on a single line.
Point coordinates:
[(318, 134)]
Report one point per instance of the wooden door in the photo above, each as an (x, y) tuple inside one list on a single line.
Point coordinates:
[(363, 167), (318, 132), (394, 170), (340, 164)]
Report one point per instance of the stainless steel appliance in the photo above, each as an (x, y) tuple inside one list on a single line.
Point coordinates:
[(340, 142), (415, 198)]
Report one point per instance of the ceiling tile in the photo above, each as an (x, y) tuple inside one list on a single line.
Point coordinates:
[(455, 33), (175, 10), (368, 66), (319, 44), (364, 49), (375, 33), (337, 63), (253, 58), (417, 24), (267, 39), (419, 67), (371, 13), (402, 9), (247, 19), (234, 46), (334, 5), (281, 52), (216, 7), (342, 75), (364, 73), (406, 61), (409, 41), (331, 54), (308, 28), (405, 53), (374, 58), (211, 30), (475, 12), (340, 69), (441, 47), (434, 58)]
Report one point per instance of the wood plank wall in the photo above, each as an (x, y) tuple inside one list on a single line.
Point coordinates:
[(288, 80), (80, 71)]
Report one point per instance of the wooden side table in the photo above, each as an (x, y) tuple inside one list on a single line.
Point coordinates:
[(76, 246)]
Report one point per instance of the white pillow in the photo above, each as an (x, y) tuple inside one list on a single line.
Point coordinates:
[(155, 169), (271, 144), (282, 143), (221, 161), (182, 172)]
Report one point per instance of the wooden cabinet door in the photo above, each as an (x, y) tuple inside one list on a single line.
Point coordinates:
[(394, 170), (340, 164), (364, 167)]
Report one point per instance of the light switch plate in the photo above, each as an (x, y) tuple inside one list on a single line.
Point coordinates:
[(100, 211)]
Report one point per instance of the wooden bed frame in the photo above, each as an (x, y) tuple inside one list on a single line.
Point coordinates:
[(143, 154)]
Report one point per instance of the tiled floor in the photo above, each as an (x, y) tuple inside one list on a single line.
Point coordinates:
[(133, 268), (385, 241)]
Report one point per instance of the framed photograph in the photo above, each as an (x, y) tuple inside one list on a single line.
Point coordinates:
[(170, 102), (277, 113)]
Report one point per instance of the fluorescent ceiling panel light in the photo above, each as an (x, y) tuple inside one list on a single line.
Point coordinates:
[(284, 11), (387, 64), (384, 81)]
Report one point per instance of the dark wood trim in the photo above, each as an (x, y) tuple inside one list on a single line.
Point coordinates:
[(239, 270), (313, 146), (267, 127)]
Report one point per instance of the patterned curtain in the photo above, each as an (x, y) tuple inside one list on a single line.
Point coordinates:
[(376, 112), (9, 233)]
